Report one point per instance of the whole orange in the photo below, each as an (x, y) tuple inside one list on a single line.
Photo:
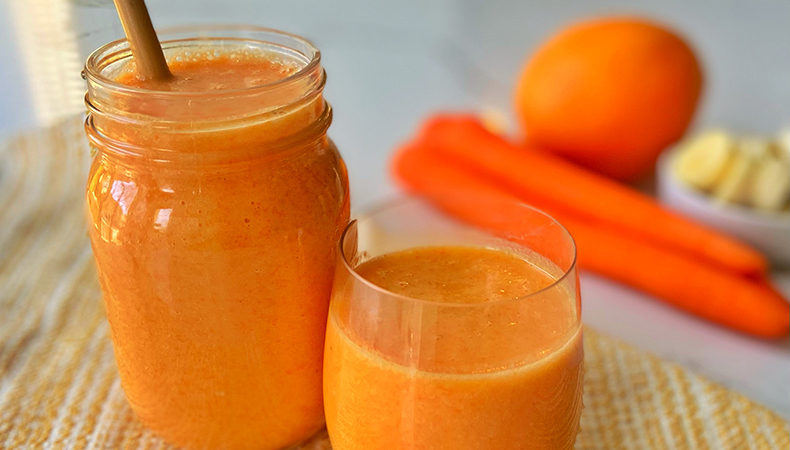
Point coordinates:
[(610, 94)]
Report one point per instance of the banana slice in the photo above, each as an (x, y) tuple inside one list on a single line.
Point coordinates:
[(771, 184), (734, 186), (495, 120), (782, 146), (755, 147), (703, 161)]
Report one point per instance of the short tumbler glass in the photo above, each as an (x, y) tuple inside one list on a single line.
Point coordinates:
[(406, 373)]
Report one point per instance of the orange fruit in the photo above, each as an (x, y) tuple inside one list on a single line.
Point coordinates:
[(610, 94)]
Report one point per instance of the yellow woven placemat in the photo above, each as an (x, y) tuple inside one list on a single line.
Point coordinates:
[(59, 387)]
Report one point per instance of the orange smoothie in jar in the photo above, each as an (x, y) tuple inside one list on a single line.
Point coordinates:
[(454, 397), (216, 201)]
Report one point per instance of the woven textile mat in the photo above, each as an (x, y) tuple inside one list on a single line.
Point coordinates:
[(59, 387)]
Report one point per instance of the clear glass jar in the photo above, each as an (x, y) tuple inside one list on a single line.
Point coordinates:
[(214, 223)]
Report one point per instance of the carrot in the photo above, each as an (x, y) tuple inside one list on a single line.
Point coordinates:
[(547, 181), (701, 289)]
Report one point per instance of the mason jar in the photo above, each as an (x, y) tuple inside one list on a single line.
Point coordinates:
[(214, 221)]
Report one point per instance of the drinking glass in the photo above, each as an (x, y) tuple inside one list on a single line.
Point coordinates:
[(407, 373)]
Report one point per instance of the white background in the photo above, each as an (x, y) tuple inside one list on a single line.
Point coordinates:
[(391, 63)]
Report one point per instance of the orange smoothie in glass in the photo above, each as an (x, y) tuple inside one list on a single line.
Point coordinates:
[(470, 388), (216, 201)]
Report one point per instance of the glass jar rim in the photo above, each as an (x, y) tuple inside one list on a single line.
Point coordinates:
[(94, 64), (394, 203)]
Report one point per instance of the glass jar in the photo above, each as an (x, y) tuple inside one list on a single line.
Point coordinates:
[(214, 223)]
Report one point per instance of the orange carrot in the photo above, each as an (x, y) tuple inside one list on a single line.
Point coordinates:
[(704, 290), (547, 181)]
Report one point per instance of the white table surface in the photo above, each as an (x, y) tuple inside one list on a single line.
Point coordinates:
[(392, 63)]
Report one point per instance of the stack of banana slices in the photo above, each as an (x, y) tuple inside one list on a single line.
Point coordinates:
[(745, 170)]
